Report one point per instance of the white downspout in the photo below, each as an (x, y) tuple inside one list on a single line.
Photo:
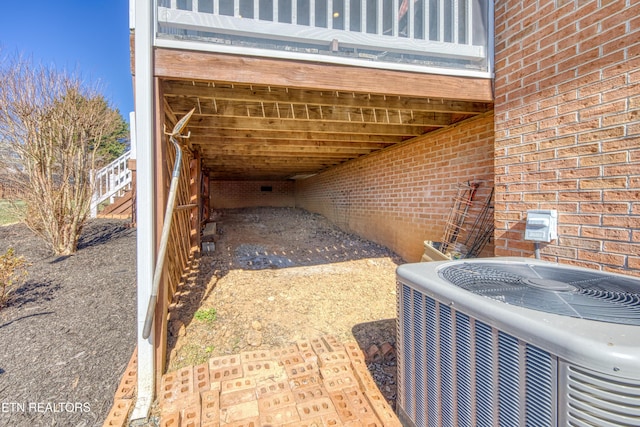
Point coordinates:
[(143, 16)]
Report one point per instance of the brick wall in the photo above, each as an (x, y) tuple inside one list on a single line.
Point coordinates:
[(240, 194), (567, 115), (401, 196)]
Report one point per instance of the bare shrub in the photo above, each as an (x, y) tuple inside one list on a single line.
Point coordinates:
[(52, 126), (12, 274)]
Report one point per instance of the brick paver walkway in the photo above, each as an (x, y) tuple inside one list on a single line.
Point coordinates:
[(316, 383)]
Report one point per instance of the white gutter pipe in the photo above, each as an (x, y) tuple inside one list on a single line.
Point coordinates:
[(142, 20)]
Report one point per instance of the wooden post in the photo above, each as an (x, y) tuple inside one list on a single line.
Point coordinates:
[(131, 165), (162, 188), (195, 198)]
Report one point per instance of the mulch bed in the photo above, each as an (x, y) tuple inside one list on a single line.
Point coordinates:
[(69, 332)]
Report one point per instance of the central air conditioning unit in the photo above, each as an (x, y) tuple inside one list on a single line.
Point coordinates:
[(517, 342)]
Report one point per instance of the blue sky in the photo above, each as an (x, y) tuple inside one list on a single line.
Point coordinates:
[(90, 37)]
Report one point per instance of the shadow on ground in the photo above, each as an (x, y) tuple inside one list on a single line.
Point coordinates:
[(96, 233), (374, 339), (32, 292)]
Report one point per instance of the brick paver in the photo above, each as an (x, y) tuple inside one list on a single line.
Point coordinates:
[(316, 383), (321, 382)]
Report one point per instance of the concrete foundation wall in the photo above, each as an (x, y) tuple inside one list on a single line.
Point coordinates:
[(242, 194), (567, 115), (402, 195)]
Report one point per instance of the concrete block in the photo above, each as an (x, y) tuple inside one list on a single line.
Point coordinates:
[(119, 413), (210, 230), (312, 380), (364, 378), (335, 370), (201, 381), (340, 402), (276, 401), (309, 356), (316, 408), (255, 356), (318, 346), (313, 422), (127, 387), (339, 382), (388, 353), (353, 350), (210, 404), (306, 350), (358, 402), (285, 352), (268, 387), (225, 374), (170, 419), (307, 394), (304, 345), (175, 385), (247, 422), (239, 412), (332, 343), (365, 422), (301, 369), (237, 397), (383, 410), (264, 369), (177, 405), (190, 416), (282, 416), (237, 384), (128, 383), (331, 420), (224, 361), (291, 359)]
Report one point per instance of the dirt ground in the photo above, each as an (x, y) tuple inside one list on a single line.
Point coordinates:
[(68, 334), (280, 275)]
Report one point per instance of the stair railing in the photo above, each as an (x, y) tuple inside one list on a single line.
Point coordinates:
[(110, 181)]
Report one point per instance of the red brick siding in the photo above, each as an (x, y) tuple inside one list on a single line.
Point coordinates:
[(567, 116), (243, 194), (401, 196)]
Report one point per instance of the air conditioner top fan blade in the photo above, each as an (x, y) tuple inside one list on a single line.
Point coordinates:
[(554, 289)]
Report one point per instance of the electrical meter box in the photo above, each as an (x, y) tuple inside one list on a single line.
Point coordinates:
[(542, 225)]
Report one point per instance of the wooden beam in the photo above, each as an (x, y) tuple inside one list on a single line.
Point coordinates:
[(277, 150), (312, 126), (313, 113), (208, 66), (208, 91), (213, 142), (204, 135)]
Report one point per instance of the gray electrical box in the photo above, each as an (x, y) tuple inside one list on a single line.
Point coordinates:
[(542, 225)]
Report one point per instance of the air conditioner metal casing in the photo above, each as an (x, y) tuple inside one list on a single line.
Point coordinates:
[(468, 360)]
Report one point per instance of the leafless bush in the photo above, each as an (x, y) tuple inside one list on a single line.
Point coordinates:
[(12, 274), (52, 126)]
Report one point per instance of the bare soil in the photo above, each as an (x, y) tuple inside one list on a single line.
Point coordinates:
[(69, 332), (281, 275)]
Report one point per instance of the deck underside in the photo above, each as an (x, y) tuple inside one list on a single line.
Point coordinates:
[(268, 119)]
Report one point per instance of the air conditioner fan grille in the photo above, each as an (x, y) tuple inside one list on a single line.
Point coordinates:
[(552, 289)]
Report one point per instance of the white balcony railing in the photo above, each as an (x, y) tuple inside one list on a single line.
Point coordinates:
[(110, 181), (401, 34)]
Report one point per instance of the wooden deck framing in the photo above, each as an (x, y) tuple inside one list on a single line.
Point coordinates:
[(260, 118), (269, 119)]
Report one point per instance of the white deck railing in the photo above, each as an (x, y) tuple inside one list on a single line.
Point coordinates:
[(111, 181), (441, 33)]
